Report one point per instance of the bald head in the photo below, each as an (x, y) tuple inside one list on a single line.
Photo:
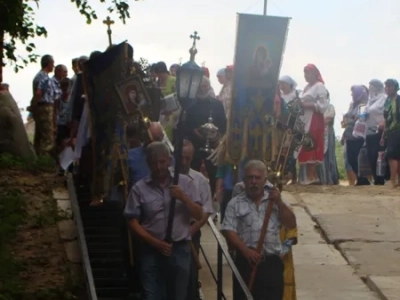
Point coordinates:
[(156, 131)]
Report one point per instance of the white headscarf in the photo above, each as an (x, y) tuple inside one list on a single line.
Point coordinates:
[(289, 80), (375, 105), (376, 90), (206, 94), (221, 72)]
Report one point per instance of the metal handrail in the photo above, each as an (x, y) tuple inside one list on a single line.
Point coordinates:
[(222, 248), (81, 239)]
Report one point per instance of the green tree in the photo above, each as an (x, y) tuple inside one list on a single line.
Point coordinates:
[(18, 24)]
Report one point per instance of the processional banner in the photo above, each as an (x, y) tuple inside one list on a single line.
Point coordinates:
[(107, 116), (260, 42)]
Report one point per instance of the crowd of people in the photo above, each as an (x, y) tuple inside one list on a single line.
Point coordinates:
[(168, 268), (371, 135)]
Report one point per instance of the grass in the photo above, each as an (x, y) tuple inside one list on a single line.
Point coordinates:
[(31, 164), (340, 160), (17, 216), (12, 215)]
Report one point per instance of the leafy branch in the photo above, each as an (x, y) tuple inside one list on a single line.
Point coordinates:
[(18, 24)]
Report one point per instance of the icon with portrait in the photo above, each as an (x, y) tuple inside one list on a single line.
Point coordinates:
[(261, 64), (133, 94)]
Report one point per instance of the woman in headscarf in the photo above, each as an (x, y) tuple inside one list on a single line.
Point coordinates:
[(206, 72), (392, 130), (172, 69), (354, 144), (314, 100), (287, 86), (375, 123)]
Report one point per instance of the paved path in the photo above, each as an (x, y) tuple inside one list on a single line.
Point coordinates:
[(321, 270)]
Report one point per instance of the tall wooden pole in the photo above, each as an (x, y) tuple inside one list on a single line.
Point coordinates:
[(265, 7)]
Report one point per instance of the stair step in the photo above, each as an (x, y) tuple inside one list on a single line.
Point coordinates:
[(111, 283), (100, 253), (118, 293), (103, 263), (116, 273), (103, 239), (103, 246), (100, 230)]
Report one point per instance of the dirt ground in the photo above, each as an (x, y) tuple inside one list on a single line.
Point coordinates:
[(344, 189), (37, 244)]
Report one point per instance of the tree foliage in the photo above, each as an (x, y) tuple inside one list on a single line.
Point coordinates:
[(18, 25)]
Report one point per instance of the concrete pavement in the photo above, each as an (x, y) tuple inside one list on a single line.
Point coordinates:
[(321, 270)]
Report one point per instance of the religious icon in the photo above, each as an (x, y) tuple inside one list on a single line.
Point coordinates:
[(133, 94), (261, 64)]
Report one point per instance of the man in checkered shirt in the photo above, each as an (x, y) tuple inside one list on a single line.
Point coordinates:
[(242, 225), (46, 91)]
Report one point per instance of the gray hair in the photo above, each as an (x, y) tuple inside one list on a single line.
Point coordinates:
[(157, 149), (256, 164), (46, 60)]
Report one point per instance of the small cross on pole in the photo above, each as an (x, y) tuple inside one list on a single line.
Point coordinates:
[(109, 22), (195, 38), (193, 50)]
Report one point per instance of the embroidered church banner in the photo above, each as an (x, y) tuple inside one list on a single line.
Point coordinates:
[(260, 43), (107, 117)]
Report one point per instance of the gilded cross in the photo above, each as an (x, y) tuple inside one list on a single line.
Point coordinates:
[(109, 22), (256, 132), (195, 38), (193, 50), (236, 130)]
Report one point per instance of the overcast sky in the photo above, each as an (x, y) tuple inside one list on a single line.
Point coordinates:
[(351, 41)]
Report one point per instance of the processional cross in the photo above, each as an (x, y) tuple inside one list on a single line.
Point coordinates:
[(109, 22), (193, 50)]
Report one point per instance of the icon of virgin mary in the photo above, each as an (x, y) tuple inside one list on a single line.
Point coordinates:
[(261, 64)]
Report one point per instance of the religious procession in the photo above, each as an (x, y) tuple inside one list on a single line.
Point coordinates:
[(158, 146)]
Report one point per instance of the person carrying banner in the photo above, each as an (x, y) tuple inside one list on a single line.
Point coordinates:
[(242, 226)]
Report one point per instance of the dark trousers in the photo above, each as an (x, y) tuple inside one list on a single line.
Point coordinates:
[(268, 283), (292, 168), (165, 278), (193, 292), (210, 167), (225, 200), (373, 147), (353, 148)]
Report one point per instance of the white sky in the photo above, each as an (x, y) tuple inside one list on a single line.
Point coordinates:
[(350, 41)]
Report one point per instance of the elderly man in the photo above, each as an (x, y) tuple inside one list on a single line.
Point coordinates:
[(242, 227), (46, 92), (164, 267), (137, 164), (204, 196)]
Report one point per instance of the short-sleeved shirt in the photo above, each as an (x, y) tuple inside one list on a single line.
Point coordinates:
[(150, 204), (243, 217), (40, 77), (51, 90), (203, 189)]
